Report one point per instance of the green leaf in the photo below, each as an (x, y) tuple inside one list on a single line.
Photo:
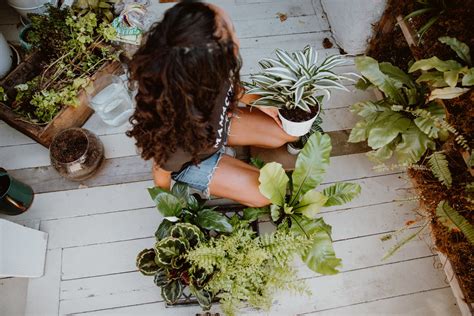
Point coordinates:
[(363, 84), (172, 291), (252, 214), (447, 93), (440, 168), (257, 162), (311, 165), (155, 191), (451, 77), (450, 218), (275, 212), (168, 204), (320, 256), (273, 182), (413, 145), (203, 297), (341, 193), (428, 123), (368, 109), (396, 74), (161, 278), (383, 153), (434, 78), (369, 68), (435, 63), (359, 132), (468, 79), (181, 191), (145, 262), (167, 249), (212, 220), (164, 229), (386, 128), (311, 203), (187, 232), (461, 49), (286, 59), (403, 242)]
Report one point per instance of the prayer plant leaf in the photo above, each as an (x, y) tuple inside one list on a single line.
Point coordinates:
[(341, 193), (145, 262), (172, 291), (273, 182)]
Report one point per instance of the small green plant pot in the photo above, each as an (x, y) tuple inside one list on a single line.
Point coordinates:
[(15, 196), (23, 38)]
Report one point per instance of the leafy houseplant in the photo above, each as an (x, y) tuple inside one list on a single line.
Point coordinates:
[(434, 7), (450, 78), (296, 203), (295, 83), (402, 122)]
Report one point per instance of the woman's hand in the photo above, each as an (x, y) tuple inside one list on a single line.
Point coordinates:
[(272, 112)]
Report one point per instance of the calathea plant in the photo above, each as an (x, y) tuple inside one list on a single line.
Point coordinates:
[(178, 205), (402, 122), (171, 269), (296, 203), (450, 78)]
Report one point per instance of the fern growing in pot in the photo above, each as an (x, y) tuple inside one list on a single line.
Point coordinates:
[(296, 84)]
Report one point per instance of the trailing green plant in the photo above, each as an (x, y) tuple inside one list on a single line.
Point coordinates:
[(454, 221), (3, 95), (401, 123), (75, 48), (435, 7), (296, 203), (450, 78), (247, 268), (296, 80), (102, 8), (178, 205), (172, 270)]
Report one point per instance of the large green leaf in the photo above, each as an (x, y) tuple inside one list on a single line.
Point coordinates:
[(161, 277), (252, 214), (359, 132), (181, 191), (447, 93), (434, 78), (461, 49), (435, 63), (145, 262), (311, 203), (169, 248), (273, 182), (468, 79), (203, 297), (383, 153), (369, 68), (428, 124), (320, 257), (155, 191), (341, 193), (172, 291), (169, 205), (397, 75), (367, 109), (450, 218), (164, 229), (386, 128), (212, 220), (413, 145), (311, 165)]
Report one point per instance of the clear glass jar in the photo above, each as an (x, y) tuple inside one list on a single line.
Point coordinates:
[(76, 153), (111, 100)]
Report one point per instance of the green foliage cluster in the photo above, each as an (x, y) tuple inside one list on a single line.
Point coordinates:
[(435, 8), (450, 78), (249, 269), (402, 123), (102, 8), (74, 48)]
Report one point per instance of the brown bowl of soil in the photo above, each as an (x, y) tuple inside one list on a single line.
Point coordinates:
[(76, 153)]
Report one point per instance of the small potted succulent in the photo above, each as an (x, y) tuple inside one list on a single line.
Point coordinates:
[(296, 84)]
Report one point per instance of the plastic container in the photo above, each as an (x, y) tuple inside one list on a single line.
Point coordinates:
[(111, 100), (6, 57), (23, 40), (15, 196), (25, 11), (27, 3), (76, 153), (297, 128)]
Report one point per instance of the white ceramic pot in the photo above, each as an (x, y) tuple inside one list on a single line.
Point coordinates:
[(297, 128), (27, 3), (6, 56)]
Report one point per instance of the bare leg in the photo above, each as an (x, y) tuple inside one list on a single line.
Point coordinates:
[(238, 181), (253, 127)]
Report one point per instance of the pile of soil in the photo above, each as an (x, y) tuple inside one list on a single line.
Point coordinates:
[(69, 146), (388, 44), (299, 115)]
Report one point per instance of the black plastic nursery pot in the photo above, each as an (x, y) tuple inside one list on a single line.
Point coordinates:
[(76, 154)]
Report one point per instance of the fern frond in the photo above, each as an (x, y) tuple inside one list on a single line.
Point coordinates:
[(450, 218), (403, 242), (440, 168)]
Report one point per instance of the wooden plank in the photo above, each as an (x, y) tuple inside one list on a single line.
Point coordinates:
[(117, 257), (329, 291), (43, 293), (438, 302), (13, 292)]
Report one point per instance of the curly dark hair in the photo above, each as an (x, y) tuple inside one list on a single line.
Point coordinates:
[(184, 65)]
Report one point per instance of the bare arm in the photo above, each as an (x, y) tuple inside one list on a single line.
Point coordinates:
[(161, 177), (270, 111)]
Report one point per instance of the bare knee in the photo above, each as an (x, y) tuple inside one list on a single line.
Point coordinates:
[(283, 138), (161, 178)]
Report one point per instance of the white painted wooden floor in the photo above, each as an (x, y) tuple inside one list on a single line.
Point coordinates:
[(96, 228)]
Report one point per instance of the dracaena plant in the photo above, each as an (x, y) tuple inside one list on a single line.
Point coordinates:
[(450, 78), (296, 80), (171, 269), (402, 122), (178, 205), (296, 203)]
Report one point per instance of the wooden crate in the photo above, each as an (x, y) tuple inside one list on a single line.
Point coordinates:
[(67, 117)]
